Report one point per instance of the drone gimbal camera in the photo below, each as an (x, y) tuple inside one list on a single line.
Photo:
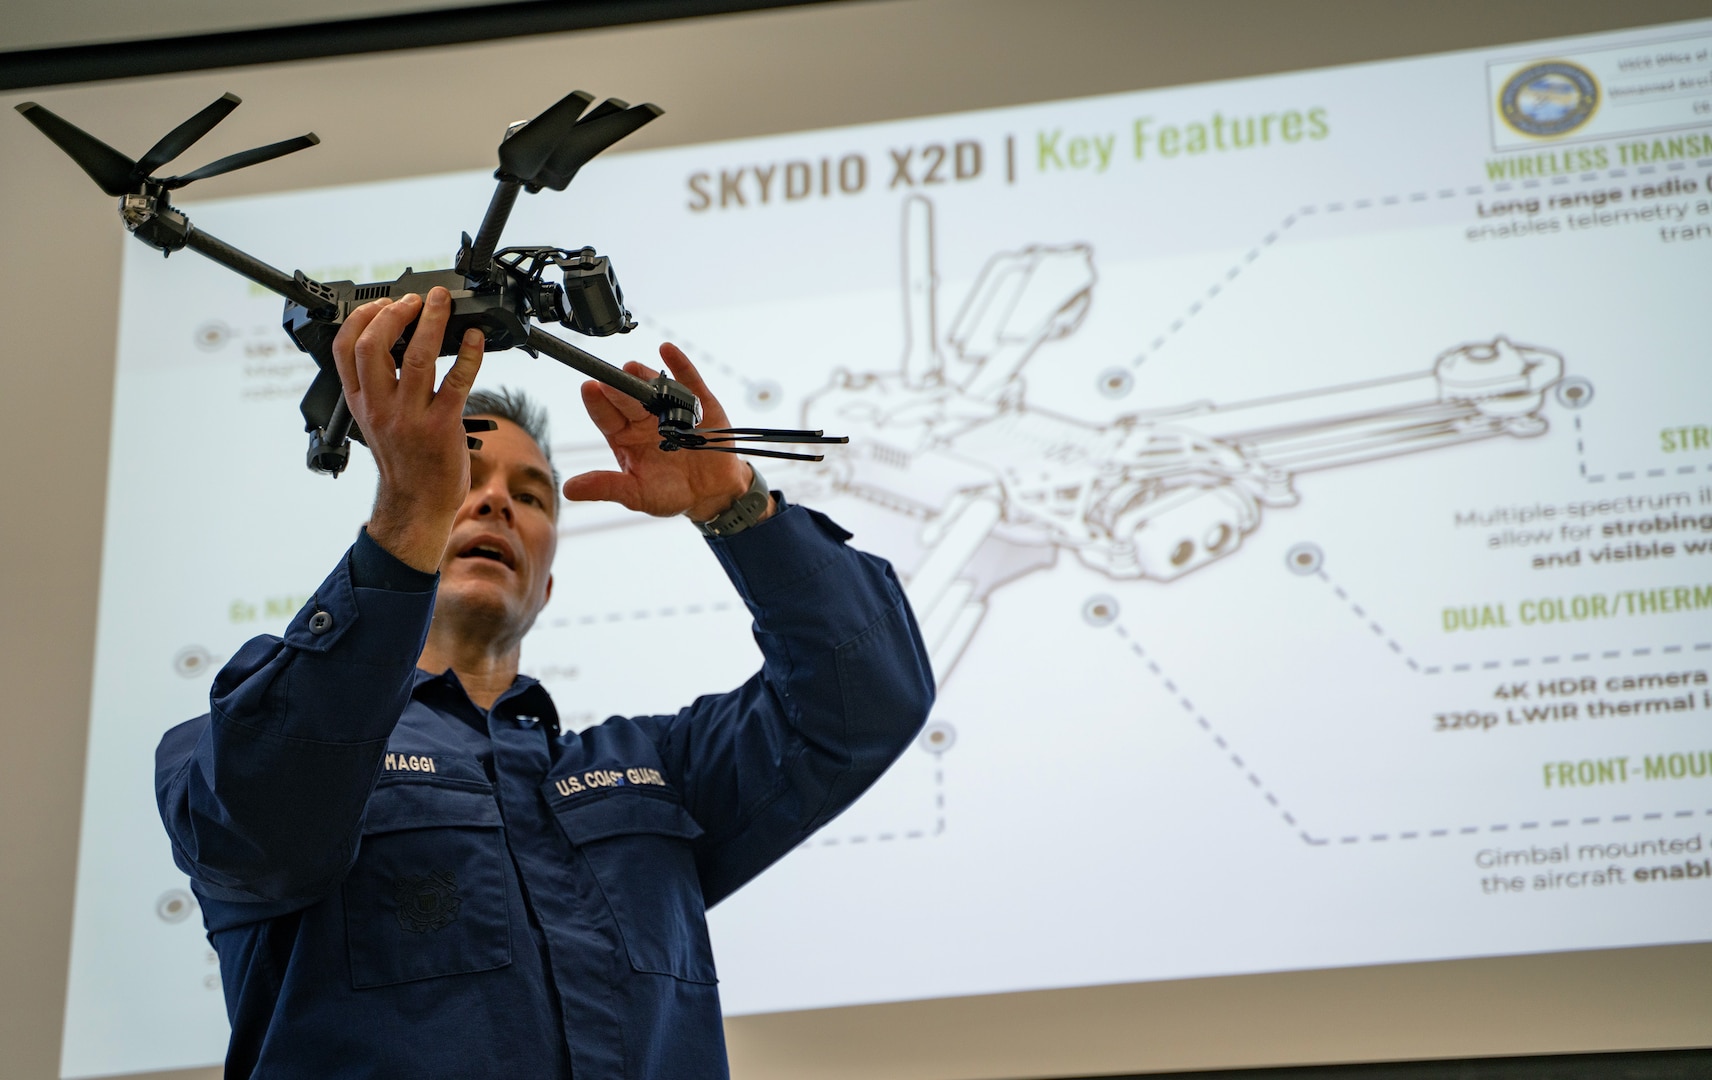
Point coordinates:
[(495, 290)]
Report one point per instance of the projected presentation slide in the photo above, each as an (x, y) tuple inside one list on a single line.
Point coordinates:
[(1304, 484)]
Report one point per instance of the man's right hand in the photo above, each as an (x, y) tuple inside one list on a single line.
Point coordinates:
[(415, 432)]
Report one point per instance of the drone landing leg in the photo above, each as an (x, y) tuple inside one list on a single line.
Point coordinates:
[(330, 447)]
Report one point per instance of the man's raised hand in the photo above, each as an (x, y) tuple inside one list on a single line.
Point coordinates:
[(415, 432), (698, 484)]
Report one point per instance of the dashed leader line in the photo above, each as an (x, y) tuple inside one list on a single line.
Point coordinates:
[(1230, 754), (1631, 474), (639, 614), (886, 837), (1307, 837), (1207, 295)]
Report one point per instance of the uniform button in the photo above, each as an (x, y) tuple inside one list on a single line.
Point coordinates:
[(320, 622)]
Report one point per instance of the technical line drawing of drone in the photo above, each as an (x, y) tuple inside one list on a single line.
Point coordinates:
[(982, 488), (993, 487), (497, 291)]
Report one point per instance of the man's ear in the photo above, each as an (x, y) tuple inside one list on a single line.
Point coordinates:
[(549, 595)]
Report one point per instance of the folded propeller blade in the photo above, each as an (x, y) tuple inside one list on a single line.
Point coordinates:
[(242, 159), (522, 154), (180, 138), (723, 440), (755, 451), (111, 170), (609, 122), (606, 108), (732, 434)]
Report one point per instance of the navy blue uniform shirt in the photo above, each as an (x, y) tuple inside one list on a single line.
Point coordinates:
[(400, 884)]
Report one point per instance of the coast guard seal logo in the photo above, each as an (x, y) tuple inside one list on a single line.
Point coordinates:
[(1553, 98), (426, 901)]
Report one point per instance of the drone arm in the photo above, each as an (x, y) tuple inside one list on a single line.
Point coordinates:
[(1472, 392), (675, 406), (268, 277), (590, 364), (493, 223)]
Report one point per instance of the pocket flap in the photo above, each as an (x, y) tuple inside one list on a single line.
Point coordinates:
[(422, 804), (623, 812)]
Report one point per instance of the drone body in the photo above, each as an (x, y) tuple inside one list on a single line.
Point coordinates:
[(590, 302), (496, 291)]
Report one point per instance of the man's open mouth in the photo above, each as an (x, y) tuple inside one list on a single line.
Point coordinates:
[(486, 549)]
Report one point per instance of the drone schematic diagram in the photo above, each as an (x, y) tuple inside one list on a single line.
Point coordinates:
[(998, 487)]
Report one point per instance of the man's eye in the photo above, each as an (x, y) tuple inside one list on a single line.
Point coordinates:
[(529, 497)]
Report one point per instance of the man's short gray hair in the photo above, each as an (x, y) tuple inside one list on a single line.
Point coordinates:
[(515, 406)]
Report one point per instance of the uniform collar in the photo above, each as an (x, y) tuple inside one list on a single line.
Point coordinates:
[(525, 697)]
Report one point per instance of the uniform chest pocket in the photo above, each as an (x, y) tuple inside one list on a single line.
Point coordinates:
[(427, 896), (638, 847)]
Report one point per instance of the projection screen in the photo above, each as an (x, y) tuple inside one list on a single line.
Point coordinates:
[(1303, 483)]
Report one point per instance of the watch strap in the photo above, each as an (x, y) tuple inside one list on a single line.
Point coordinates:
[(743, 513)]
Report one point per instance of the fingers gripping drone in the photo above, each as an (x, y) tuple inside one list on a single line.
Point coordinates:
[(499, 291)]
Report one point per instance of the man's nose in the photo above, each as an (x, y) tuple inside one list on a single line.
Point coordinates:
[(493, 500)]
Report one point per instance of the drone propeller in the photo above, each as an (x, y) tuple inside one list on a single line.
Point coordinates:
[(243, 159), (607, 123), (110, 169), (182, 137), (548, 150), (605, 108), (117, 174), (523, 152), (712, 438)]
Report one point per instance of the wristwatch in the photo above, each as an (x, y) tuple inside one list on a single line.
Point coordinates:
[(746, 511)]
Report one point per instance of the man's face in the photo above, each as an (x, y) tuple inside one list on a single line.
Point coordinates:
[(496, 574)]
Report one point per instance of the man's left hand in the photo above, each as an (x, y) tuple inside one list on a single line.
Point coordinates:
[(699, 484)]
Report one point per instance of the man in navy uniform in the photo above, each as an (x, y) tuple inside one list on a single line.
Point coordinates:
[(407, 868)]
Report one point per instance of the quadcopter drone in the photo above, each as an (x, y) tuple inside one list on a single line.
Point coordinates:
[(495, 290)]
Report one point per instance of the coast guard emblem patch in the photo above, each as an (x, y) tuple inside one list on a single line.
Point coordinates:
[(426, 901)]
